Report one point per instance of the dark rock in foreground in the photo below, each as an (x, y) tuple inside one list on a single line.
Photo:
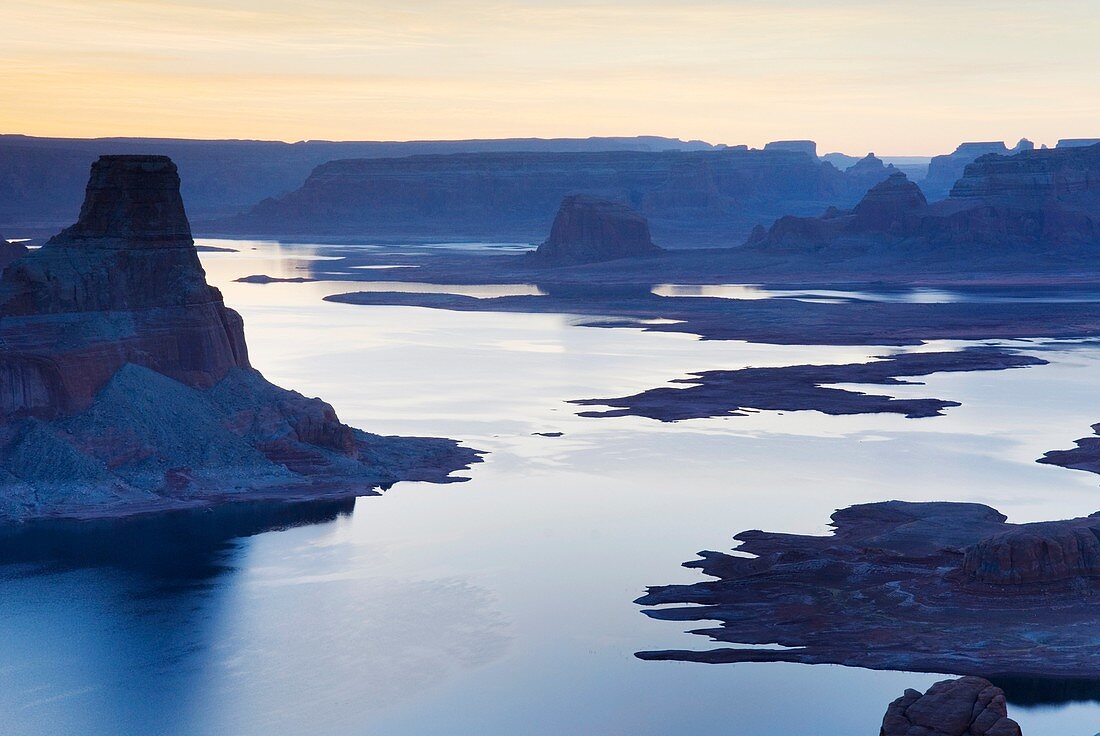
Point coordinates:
[(589, 229), (968, 706), (930, 587), (805, 387), (125, 384)]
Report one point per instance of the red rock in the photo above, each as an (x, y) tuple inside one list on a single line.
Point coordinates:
[(968, 706), (588, 229)]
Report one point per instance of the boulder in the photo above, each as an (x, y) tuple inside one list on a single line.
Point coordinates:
[(968, 706), (589, 229)]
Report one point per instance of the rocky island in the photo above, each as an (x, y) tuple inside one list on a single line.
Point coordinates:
[(125, 384), (930, 587), (588, 229)]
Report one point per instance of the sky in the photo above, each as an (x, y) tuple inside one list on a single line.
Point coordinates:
[(894, 77)]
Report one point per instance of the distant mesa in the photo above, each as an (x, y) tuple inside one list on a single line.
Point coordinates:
[(1077, 142), (803, 146), (709, 198), (125, 383), (1035, 203), (588, 229), (967, 706), (944, 171), (263, 278)]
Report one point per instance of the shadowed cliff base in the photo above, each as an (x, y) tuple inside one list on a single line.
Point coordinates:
[(125, 384), (929, 587)]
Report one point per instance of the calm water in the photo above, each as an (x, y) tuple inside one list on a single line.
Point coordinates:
[(503, 606), (918, 295)]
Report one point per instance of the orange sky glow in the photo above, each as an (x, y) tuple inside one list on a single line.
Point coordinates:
[(894, 77)]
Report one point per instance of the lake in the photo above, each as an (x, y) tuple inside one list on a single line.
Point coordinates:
[(503, 605)]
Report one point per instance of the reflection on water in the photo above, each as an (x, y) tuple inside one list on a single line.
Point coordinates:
[(503, 605), (478, 291), (173, 545), (1040, 691), (919, 295)]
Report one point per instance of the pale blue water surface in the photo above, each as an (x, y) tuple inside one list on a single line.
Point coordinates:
[(503, 606)]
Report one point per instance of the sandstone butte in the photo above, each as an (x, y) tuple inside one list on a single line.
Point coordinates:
[(125, 383), (588, 229)]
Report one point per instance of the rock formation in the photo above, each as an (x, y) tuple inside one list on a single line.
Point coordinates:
[(691, 198), (806, 388), (1037, 204), (944, 171), (931, 587), (588, 229), (800, 146), (968, 706), (125, 383)]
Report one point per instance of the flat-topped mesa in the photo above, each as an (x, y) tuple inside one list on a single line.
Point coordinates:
[(125, 384), (1036, 554), (945, 170), (807, 147), (588, 229), (968, 706), (1068, 176)]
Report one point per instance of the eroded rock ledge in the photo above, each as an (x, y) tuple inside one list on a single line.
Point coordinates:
[(930, 587), (805, 387), (125, 384)]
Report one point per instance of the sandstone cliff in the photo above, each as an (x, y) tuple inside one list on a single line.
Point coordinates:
[(944, 171), (588, 229), (1037, 204), (125, 383), (691, 198)]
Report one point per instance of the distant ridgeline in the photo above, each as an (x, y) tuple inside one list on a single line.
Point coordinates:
[(42, 179), (691, 198), (1033, 207)]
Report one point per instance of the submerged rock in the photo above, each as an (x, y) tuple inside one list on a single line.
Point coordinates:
[(589, 229), (125, 383), (968, 706)]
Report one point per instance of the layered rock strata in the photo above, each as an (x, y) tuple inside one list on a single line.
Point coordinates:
[(1042, 204), (125, 383), (589, 229), (932, 587)]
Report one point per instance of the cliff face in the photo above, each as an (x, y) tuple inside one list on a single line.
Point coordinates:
[(125, 383), (1033, 203), (690, 198), (944, 171), (588, 229), (10, 251)]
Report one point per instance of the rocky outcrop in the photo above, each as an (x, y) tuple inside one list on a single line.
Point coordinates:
[(1035, 206), (690, 198), (968, 706), (931, 587), (125, 383), (944, 171), (891, 208), (589, 229), (798, 146)]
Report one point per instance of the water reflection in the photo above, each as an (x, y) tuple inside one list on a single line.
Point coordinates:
[(180, 545), (1046, 691), (1067, 294)]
